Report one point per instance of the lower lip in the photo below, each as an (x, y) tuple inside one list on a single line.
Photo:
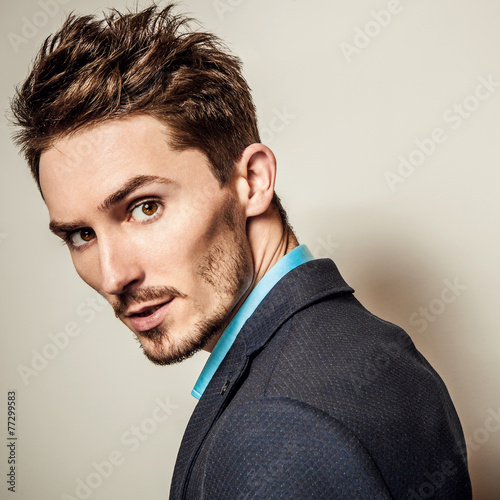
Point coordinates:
[(143, 323)]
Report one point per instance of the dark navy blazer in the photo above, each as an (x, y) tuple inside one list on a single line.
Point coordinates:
[(320, 399)]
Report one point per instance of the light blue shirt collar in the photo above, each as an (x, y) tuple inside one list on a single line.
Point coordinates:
[(290, 261)]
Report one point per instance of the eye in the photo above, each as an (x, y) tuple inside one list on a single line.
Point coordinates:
[(82, 236), (145, 210)]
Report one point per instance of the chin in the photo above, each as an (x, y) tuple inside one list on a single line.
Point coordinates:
[(164, 359), (161, 350)]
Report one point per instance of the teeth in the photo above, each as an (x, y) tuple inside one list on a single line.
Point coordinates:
[(149, 311)]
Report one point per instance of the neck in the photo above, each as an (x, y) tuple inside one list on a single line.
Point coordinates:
[(269, 242)]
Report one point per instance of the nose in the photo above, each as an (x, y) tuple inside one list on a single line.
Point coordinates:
[(120, 267)]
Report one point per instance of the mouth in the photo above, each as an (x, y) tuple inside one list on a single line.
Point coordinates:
[(149, 317), (148, 311)]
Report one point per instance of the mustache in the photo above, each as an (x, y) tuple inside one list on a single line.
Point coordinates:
[(125, 299)]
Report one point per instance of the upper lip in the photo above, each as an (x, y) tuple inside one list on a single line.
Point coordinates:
[(143, 308)]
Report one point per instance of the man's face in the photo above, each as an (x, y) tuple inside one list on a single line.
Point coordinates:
[(151, 230)]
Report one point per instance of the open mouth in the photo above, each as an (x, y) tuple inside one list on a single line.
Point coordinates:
[(151, 317), (148, 311)]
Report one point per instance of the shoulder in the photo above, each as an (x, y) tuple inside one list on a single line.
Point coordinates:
[(336, 369), (272, 448)]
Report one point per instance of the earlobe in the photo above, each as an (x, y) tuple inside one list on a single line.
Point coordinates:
[(258, 167)]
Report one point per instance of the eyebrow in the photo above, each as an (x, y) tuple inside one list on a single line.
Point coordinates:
[(129, 187), (64, 228)]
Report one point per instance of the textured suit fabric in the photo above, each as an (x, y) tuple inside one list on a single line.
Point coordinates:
[(318, 398)]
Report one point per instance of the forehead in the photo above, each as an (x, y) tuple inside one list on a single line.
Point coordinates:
[(97, 161)]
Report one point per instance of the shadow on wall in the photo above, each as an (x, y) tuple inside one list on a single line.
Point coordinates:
[(402, 274)]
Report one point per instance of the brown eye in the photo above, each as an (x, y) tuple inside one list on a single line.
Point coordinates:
[(149, 208), (87, 234), (82, 236), (145, 210)]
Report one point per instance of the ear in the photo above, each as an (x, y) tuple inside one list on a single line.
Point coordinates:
[(256, 177)]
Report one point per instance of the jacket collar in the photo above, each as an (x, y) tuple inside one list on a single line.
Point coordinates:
[(300, 288)]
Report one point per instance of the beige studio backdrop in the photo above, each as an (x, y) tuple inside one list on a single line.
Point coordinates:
[(384, 117)]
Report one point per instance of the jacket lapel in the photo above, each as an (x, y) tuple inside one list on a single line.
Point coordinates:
[(302, 286), (211, 404)]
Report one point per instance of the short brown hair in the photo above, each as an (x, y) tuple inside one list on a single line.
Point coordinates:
[(151, 62)]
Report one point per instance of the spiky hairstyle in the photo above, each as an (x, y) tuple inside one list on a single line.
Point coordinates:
[(148, 62)]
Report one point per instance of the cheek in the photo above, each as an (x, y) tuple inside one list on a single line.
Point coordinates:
[(185, 246), (196, 230)]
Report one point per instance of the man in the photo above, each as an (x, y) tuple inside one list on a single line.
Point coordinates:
[(141, 135)]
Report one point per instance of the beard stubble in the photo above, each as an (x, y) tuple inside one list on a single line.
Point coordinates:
[(225, 268)]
